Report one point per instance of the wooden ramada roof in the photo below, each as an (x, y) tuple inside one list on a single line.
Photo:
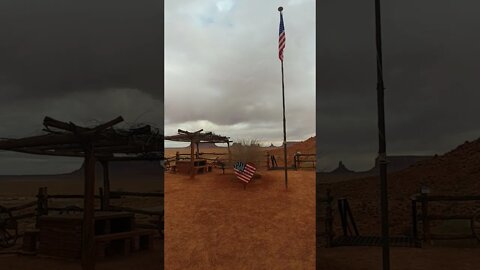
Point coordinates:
[(198, 137), (69, 139)]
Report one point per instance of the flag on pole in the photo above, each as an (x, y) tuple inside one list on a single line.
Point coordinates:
[(281, 38), (244, 171)]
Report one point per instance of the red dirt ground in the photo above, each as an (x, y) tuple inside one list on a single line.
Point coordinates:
[(213, 223)]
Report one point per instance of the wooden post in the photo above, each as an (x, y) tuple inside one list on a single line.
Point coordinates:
[(177, 156), (198, 149), (268, 161), (414, 219), (88, 228), (106, 185), (192, 158), (425, 220), (42, 203), (329, 220), (102, 199), (229, 153)]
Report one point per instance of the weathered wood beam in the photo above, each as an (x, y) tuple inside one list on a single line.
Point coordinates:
[(141, 130), (192, 160), (50, 122), (108, 124), (61, 153), (88, 229), (139, 158), (41, 140), (106, 185)]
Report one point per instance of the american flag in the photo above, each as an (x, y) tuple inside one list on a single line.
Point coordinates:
[(281, 38), (244, 171)]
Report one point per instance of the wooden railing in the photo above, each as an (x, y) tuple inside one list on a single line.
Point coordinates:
[(426, 218), (299, 161), (326, 216)]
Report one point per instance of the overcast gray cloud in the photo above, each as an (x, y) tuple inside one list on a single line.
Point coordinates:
[(222, 71), (431, 65), (79, 61)]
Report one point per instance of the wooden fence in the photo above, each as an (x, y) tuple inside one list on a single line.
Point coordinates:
[(325, 214), (426, 218), (304, 161), (42, 206)]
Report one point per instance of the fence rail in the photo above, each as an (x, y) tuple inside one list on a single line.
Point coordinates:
[(426, 218), (327, 232)]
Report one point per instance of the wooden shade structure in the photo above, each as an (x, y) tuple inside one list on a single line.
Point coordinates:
[(195, 138), (101, 143)]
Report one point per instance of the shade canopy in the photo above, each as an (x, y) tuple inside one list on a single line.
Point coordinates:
[(68, 139), (198, 137)]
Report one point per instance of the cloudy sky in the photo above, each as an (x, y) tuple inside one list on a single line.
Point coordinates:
[(222, 71), (80, 62), (431, 68)]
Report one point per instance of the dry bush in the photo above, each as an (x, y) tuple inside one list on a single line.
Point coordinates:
[(247, 151)]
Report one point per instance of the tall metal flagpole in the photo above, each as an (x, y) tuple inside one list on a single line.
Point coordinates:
[(382, 148), (284, 121)]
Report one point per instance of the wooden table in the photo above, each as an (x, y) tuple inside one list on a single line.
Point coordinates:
[(60, 235), (200, 165)]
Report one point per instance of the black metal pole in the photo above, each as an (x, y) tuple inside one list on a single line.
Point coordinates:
[(382, 149), (284, 132)]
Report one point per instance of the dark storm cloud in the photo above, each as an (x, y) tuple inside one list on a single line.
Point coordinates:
[(50, 48), (431, 65), (81, 61)]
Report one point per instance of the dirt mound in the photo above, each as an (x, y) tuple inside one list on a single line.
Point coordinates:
[(308, 146), (454, 173)]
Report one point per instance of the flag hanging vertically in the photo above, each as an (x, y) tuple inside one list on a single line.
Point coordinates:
[(281, 38), (281, 46)]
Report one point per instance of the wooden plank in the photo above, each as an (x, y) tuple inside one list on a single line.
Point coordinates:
[(451, 236), (106, 185), (23, 206), (139, 194), (70, 196), (113, 236), (137, 211), (449, 217), (50, 122), (108, 124), (41, 140), (451, 198), (88, 229), (192, 161)]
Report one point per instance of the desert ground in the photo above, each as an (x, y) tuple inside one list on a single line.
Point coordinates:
[(213, 223), (427, 258)]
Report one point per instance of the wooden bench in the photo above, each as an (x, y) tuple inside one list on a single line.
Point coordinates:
[(203, 168), (124, 242)]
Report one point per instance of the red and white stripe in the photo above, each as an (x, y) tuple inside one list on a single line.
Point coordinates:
[(281, 45), (247, 174)]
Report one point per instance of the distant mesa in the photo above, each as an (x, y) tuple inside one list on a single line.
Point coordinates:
[(398, 163), (205, 146), (341, 169)]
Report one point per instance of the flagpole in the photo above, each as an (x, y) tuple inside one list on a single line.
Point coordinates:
[(284, 122), (382, 149)]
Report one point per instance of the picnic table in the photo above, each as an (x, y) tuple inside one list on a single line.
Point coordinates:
[(115, 233)]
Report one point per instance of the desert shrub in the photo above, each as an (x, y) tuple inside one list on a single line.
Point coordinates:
[(247, 151)]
